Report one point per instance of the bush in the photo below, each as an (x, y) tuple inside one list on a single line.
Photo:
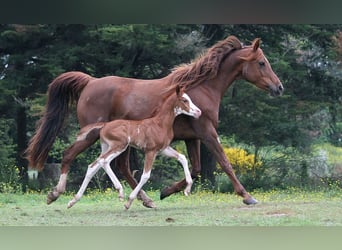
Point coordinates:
[(273, 167), (9, 179), (9, 173), (246, 166)]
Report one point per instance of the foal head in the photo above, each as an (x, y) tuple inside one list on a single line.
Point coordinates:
[(257, 70), (184, 105)]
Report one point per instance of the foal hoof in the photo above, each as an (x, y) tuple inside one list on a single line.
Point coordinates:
[(250, 201)]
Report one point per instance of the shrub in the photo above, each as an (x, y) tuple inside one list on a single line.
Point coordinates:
[(242, 161), (9, 173), (246, 167)]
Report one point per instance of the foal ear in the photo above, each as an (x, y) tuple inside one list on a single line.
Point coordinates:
[(256, 43), (178, 90)]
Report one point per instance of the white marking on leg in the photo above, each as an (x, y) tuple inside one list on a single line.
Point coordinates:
[(62, 183), (170, 152), (91, 171), (113, 178), (144, 178)]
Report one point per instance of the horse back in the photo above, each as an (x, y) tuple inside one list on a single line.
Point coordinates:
[(110, 98)]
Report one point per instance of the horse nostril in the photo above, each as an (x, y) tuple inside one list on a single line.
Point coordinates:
[(281, 88)]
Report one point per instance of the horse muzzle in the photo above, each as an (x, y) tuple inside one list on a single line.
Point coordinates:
[(276, 90)]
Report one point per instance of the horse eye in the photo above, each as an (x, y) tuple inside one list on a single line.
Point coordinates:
[(262, 63)]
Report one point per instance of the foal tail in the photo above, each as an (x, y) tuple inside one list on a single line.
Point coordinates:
[(87, 130), (62, 92)]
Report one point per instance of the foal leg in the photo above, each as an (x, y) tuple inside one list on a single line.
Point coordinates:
[(122, 162), (193, 148), (92, 170), (68, 156), (170, 152), (149, 158), (114, 179)]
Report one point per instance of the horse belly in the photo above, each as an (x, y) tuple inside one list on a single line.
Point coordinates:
[(183, 129)]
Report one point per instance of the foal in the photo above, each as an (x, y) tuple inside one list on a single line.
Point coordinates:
[(152, 135)]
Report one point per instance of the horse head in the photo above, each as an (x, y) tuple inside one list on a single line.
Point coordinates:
[(257, 70), (184, 104)]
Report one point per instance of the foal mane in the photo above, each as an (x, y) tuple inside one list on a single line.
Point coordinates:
[(206, 66)]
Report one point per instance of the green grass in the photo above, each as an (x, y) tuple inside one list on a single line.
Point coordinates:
[(292, 207)]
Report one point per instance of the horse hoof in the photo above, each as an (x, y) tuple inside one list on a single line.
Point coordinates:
[(165, 193), (149, 204), (128, 204), (51, 197), (250, 201)]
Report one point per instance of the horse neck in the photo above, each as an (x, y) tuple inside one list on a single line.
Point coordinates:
[(166, 115), (230, 70)]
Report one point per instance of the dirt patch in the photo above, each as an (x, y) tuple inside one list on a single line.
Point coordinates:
[(279, 213)]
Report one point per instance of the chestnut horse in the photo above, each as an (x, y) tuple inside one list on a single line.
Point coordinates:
[(152, 135), (206, 79)]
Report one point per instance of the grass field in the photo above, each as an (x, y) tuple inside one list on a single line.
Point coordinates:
[(276, 208)]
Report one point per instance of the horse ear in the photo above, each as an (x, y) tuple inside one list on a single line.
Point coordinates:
[(256, 43), (177, 90)]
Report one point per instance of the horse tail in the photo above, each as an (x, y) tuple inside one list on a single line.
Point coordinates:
[(63, 91)]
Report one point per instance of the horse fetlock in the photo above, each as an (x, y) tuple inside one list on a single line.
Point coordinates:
[(187, 190), (121, 194), (128, 203), (147, 202), (71, 203)]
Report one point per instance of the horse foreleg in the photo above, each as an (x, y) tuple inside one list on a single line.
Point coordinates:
[(149, 158), (68, 156), (122, 162), (193, 148), (170, 152), (214, 146)]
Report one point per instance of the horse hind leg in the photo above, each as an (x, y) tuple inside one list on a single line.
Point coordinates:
[(193, 148), (112, 176), (68, 156), (91, 171), (122, 162), (170, 152), (149, 158)]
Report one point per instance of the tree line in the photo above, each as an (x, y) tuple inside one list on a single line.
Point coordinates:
[(307, 59)]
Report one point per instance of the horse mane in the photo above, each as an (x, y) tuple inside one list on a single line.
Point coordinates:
[(206, 66), (165, 94)]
